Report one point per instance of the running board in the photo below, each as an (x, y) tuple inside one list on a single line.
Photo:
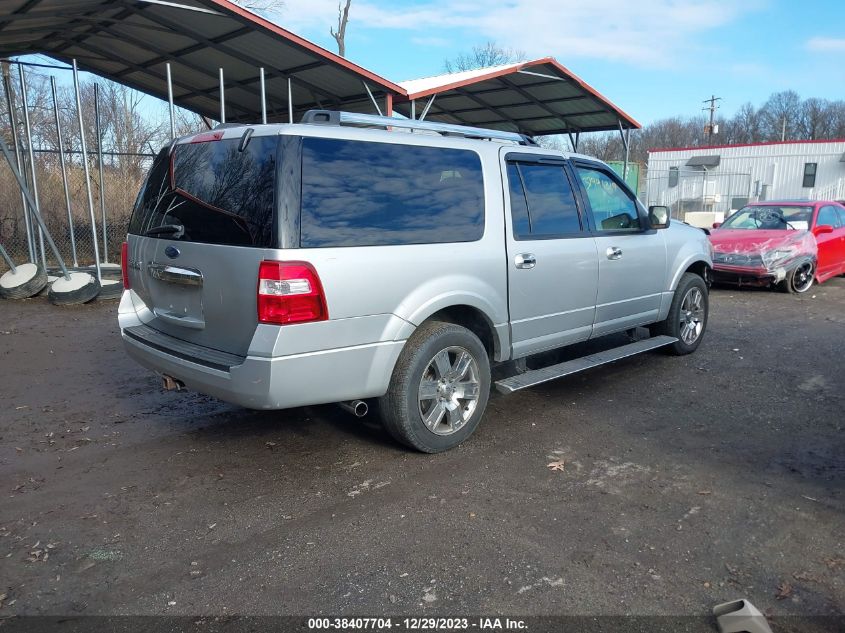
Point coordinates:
[(538, 376)]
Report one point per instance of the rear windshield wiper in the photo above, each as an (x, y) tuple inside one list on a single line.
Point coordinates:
[(177, 230)]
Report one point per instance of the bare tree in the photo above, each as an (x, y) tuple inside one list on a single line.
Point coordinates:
[(815, 119), (780, 115), (489, 54), (342, 21), (837, 119), (746, 125)]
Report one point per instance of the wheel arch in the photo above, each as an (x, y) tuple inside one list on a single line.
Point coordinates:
[(697, 265), (473, 317)]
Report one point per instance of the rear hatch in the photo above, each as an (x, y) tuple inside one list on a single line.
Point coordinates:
[(199, 230)]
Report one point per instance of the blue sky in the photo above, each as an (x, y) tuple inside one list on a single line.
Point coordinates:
[(653, 58)]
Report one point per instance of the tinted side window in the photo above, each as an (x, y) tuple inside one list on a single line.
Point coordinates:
[(220, 195), (828, 215), (612, 208), (368, 194), (155, 186), (519, 207), (550, 202)]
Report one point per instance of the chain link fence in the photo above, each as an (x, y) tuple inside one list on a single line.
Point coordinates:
[(74, 228), (694, 191)]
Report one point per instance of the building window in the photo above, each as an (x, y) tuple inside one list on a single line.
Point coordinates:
[(673, 176), (809, 174)]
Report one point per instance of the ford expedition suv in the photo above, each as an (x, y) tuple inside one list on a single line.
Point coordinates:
[(354, 257)]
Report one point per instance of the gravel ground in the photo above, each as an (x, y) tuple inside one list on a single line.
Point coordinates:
[(684, 482)]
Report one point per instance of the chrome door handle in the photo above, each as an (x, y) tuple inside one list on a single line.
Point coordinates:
[(525, 260), (174, 274), (614, 252)]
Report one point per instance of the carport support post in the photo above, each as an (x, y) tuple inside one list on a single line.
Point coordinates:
[(413, 109), (64, 171), (84, 149), (28, 130), (26, 192), (263, 96), (372, 98), (627, 155), (626, 135), (7, 84), (170, 102), (222, 98), (8, 259), (100, 168), (290, 102), (427, 107)]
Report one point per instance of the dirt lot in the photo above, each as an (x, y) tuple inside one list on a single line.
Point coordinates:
[(686, 482)]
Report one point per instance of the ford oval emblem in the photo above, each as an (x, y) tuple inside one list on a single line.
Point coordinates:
[(172, 252)]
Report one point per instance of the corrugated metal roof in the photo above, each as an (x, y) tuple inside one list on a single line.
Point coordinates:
[(130, 41), (533, 97), (425, 84)]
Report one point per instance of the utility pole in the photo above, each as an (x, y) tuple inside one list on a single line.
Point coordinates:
[(711, 129)]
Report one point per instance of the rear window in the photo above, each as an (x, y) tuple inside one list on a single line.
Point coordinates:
[(369, 194), (220, 195)]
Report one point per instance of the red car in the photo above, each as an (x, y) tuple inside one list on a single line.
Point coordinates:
[(788, 244)]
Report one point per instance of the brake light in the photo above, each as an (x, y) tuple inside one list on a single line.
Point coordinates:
[(205, 137), (124, 264), (290, 292)]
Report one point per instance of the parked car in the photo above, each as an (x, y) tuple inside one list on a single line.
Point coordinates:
[(787, 244), (279, 266)]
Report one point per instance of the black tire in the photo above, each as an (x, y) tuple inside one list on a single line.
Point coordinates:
[(400, 408), (83, 294), (672, 325), (30, 288), (800, 279)]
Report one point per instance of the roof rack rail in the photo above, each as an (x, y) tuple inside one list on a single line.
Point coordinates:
[(335, 117)]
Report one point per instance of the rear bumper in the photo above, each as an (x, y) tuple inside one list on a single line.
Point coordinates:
[(334, 375)]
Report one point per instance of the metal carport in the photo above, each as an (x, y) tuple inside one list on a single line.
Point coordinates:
[(131, 41), (534, 97)]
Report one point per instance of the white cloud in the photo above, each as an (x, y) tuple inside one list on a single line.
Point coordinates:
[(647, 32), (826, 44)]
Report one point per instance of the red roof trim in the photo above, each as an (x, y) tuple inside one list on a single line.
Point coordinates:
[(516, 68), (314, 48), (686, 149)]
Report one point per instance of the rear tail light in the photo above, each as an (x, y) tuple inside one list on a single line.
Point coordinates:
[(124, 264), (290, 292)]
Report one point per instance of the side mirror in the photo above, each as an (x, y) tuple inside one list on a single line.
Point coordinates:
[(658, 216), (821, 229), (716, 225)]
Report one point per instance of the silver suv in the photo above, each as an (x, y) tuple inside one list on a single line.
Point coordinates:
[(355, 257)]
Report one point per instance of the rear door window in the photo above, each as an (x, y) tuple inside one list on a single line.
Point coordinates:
[(217, 192), (542, 202), (358, 193)]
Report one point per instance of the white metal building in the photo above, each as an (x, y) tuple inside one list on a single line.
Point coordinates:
[(721, 178)]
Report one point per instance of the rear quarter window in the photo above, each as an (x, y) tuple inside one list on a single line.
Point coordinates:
[(358, 193)]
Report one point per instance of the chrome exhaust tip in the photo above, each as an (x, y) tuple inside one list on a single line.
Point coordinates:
[(358, 408)]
